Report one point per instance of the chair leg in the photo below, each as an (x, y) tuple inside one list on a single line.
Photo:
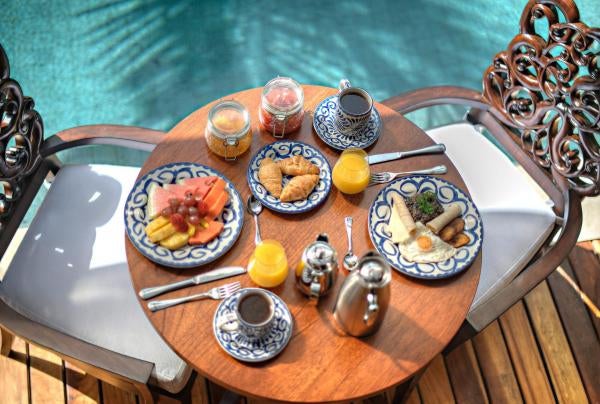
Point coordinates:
[(146, 396), (403, 391), (6, 340)]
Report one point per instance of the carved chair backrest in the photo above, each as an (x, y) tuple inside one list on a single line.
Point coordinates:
[(545, 88), (21, 136)]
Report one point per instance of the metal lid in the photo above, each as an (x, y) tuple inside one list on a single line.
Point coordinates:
[(319, 255), (374, 270)]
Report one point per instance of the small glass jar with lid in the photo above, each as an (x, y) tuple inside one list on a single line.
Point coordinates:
[(282, 106), (228, 131)]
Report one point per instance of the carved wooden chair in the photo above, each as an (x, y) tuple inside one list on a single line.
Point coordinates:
[(541, 103), (67, 288)]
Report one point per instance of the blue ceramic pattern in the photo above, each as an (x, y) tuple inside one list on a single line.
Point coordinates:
[(325, 126), (249, 349), (447, 193), (278, 151), (232, 218)]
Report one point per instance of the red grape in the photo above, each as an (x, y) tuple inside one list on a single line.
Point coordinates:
[(194, 219), (193, 211), (202, 208), (174, 203), (167, 212), (189, 200), (183, 210), (179, 222)]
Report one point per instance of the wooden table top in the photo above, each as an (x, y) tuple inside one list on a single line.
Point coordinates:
[(320, 363)]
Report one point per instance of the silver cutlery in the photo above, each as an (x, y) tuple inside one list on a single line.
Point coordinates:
[(217, 293), (385, 177), (350, 259), (255, 207), (381, 158), (214, 275)]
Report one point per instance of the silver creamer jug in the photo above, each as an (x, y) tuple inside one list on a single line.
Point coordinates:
[(317, 270), (364, 296)]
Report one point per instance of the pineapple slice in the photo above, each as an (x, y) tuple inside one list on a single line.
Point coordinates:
[(175, 241)]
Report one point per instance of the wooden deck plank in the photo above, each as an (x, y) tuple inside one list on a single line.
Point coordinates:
[(13, 375), (114, 395), (199, 393), (495, 365), (580, 331), (82, 388), (526, 359), (465, 375), (582, 260), (555, 348), (434, 386), (46, 373)]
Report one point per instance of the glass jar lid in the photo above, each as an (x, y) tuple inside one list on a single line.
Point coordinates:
[(282, 95), (228, 120)]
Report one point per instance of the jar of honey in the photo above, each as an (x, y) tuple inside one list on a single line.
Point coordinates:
[(281, 106), (228, 132)]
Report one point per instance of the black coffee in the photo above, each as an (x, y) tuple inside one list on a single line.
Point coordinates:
[(255, 309), (354, 104)]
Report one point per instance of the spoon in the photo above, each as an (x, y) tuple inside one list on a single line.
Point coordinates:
[(255, 207), (350, 259)]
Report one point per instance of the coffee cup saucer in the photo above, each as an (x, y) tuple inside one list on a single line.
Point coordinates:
[(248, 349), (323, 122)]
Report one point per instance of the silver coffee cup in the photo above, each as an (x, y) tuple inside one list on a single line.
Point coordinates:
[(352, 122), (238, 321)]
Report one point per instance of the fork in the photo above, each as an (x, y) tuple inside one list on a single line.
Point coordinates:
[(385, 177), (217, 293)]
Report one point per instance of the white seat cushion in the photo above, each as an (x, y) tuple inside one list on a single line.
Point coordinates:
[(516, 218), (70, 272)]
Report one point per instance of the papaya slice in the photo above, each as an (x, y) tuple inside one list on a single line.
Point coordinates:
[(204, 235), (215, 192), (216, 208)]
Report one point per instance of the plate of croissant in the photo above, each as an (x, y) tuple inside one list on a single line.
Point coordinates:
[(289, 177)]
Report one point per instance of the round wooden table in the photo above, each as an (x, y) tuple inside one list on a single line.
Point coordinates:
[(320, 363)]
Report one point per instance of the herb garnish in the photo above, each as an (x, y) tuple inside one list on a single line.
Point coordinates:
[(426, 202)]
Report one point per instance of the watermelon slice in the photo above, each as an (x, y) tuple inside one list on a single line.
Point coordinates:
[(158, 199), (179, 190), (216, 208), (203, 235), (201, 184)]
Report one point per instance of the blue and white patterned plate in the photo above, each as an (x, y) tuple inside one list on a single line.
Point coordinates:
[(447, 193), (323, 122), (281, 150), (232, 218), (249, 349)]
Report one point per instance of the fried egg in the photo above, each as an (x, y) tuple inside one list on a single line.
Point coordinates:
[(439, 251)]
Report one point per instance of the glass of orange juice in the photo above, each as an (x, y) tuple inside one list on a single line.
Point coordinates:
[(268, 265), (351, 172)]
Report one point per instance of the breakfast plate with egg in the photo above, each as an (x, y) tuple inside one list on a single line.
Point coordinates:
[(425, 227)]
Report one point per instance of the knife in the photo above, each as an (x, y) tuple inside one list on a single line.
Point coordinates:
[(214, 275), (382, 158)]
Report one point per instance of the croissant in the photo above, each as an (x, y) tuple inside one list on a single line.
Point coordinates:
[(297, 165), (270, 176), (299, 187)]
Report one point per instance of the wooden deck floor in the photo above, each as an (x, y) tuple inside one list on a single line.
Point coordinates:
[(544, 349)]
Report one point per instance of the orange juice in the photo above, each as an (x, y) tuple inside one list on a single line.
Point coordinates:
[(351, 172), (268, 265)]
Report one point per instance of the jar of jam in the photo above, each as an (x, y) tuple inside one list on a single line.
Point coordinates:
[(228, 132), (281, 106)]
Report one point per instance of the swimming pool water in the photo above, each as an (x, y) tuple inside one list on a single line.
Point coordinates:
[(151, 63)]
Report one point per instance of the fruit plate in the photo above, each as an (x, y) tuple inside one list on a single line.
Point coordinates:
[(447, 193), (188, 256), (280, 150)]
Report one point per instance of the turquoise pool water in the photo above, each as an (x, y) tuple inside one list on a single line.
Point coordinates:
[(150, 63)]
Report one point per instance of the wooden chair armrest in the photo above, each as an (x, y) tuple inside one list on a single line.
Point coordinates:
[(114, 366), (429, 96), (116, 135), (536, 271)]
